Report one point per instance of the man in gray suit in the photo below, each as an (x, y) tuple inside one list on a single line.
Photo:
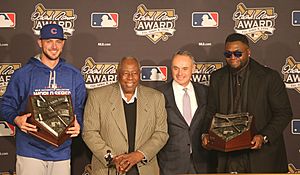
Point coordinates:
[(128, 120), (183, 152)]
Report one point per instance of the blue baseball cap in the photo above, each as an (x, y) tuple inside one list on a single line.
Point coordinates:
[(52, 31)]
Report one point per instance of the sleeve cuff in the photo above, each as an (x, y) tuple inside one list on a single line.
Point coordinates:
[(144, 160)]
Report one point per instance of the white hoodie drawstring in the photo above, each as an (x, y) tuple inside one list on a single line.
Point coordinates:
[(52, 82)]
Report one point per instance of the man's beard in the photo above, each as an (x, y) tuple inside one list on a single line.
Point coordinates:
[(48, 56), (242, 66)]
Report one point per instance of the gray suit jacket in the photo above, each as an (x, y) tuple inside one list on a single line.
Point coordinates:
[(174, 158), (105, 126)]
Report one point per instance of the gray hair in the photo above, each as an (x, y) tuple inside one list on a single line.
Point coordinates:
[(128, 58), (184, 53)]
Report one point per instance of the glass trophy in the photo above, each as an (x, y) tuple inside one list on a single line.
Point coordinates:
[(53, 115)]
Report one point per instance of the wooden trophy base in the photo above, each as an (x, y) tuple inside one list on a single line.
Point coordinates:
[(53, 115), (243, 141), (48, 137), (231, 132)]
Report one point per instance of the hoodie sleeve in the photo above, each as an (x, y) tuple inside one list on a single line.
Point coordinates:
[(80, 97), (12, 98)]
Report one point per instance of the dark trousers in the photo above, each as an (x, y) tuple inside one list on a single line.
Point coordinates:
[(133, 171), (192, 169)]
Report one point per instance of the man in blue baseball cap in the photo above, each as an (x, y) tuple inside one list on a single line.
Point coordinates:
[(45, 73)]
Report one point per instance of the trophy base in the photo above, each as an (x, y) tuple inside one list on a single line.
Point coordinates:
[(48, 137), (241, 142), (52, 115)]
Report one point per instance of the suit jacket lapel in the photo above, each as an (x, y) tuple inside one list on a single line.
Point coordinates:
[(142, 113), (254, 80), (169, 94), (117, 110), (172, 103), (201, 100), (224, 92)]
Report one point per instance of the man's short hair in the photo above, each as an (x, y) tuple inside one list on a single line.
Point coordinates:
[(184, 53), (127, 58), (237, 37)]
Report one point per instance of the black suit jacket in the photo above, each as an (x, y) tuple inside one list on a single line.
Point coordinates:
[(268, 102), (174, 158)]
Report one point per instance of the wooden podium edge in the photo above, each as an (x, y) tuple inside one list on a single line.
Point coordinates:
[(244, 174)]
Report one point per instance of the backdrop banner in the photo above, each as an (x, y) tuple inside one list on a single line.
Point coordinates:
[(100, 33)]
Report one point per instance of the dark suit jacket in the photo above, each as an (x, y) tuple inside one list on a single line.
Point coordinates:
[(174, 158), (268, 102)]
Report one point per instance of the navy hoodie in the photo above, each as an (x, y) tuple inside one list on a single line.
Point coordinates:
[(35, 78)]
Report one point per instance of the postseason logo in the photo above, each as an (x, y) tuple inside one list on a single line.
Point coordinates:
[(154, 73), (296, 18), (295, 129), (6, 129), (6, 71), (7, 20), (155, 24), (291, 74), (255, 23), (203, 71), (63, 17), (205, 19), (105, 20), (98, 74)]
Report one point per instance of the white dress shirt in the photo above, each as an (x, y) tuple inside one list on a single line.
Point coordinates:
[(132, 98), (178, 94)]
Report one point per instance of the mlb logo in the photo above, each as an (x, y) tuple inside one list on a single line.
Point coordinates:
[(296, 18), (295, 126), (105, 20), (7, 20), (154, 73), (6, 129), (205, 19)]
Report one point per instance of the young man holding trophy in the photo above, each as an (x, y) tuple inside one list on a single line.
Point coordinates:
[(46, 84)]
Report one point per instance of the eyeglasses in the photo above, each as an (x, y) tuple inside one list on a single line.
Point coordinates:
[(236, 54)]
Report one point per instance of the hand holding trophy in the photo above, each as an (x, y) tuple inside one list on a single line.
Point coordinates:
[(53, 115), (231, 132)]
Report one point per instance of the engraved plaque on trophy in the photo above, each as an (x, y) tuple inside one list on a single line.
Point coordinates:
[(53, 115), (231, 132)]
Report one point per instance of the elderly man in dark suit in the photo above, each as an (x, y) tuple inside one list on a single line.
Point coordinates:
[(186, 105), (127, 119), (244, 85)]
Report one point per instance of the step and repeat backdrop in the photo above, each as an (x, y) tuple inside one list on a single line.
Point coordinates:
[(99, 33)]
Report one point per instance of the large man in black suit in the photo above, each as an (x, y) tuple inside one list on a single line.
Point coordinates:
[(244, 85), (183, 152)]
